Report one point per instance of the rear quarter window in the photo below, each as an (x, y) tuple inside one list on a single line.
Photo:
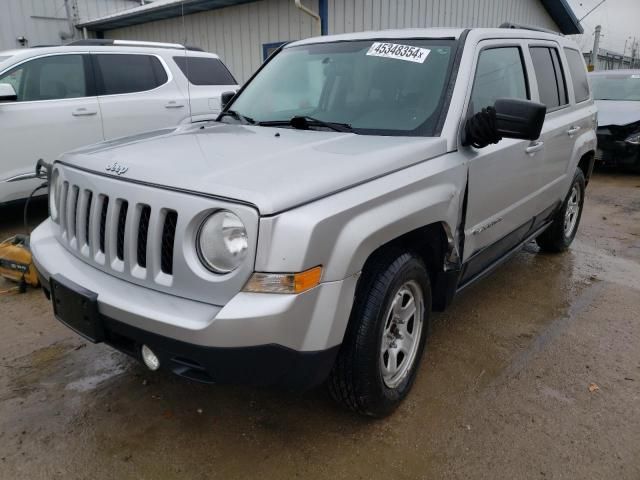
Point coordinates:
[(204, 71), (578, 73)]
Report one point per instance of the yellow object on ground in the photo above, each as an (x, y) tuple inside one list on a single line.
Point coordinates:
[(15, 261)]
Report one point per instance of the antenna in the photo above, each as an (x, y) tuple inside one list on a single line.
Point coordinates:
[(186, 61)]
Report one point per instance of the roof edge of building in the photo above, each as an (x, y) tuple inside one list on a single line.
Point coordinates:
[(559, 10)]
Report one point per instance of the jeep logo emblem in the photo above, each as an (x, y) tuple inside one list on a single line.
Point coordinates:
[(117, 169)]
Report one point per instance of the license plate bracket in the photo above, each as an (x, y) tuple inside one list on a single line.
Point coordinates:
[(77, 308)]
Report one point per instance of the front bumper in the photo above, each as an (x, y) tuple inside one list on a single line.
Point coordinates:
[(254, 338), (616, 152)]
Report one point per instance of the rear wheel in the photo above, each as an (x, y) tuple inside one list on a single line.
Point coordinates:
[(558, 237), (378, 360)]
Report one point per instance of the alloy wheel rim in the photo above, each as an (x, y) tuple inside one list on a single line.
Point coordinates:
[(404, 321), (572, 211)]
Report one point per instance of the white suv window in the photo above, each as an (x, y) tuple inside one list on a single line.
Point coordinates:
[(500, 74), (48, 78), (128, 73)]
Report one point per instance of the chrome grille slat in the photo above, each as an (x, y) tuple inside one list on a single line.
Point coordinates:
[(62, 208), (70, 209)]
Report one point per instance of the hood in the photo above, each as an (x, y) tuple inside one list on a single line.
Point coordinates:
[(620, 113), (272, 168)]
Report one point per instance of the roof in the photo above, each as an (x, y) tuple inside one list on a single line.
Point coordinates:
[(380, 34), (16, 56), (436, 33), (559, 10)]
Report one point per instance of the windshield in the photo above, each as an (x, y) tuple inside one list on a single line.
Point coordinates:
[(395, 87), (616, 87)]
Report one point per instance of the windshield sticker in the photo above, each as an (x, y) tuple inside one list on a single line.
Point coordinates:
[(399, 52)]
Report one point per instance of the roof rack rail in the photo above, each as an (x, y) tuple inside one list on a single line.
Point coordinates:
[(100, 42), (529, 27)]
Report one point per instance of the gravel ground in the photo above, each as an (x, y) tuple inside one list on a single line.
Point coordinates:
[(533, 373)]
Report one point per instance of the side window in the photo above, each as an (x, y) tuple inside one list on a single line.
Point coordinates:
[(500, 74), (204, 71), (578, 74), (48, 78), (549, 76), (128, 73)]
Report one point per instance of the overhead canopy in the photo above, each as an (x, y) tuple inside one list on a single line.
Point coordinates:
[(563, 15), (559, 10), (157, 10)]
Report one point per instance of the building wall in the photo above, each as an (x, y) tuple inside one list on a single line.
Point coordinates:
[(239, 33), (357, 15), (42, 21)]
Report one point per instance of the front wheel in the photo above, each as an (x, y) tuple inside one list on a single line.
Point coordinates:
[(378, 360), (560, 234)]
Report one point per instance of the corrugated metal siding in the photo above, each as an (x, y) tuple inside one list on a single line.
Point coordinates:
[(98, 8), (41, 21), (237, 33), (356, 15)]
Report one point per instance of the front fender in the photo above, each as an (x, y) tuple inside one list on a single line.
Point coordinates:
[(342, 230)]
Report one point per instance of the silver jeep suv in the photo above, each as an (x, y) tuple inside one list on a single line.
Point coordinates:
[(350, 188)]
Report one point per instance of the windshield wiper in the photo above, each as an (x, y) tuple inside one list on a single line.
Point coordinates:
[(237, 116), (303, 122)]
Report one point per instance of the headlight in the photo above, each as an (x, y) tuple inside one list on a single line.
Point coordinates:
[(54, 191), (634, 139), (222, 242)]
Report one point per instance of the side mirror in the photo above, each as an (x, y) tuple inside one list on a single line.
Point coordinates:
[(508, 118), (225, 98), (7, 93)]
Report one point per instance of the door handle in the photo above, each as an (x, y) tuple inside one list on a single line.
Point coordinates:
[(174, 104), (534, 147), (83, 112), (573, 130)]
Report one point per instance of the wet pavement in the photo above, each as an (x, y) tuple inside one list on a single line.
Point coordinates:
[(533, 373)]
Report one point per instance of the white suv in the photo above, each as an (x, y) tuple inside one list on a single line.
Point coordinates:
[(54, 99)]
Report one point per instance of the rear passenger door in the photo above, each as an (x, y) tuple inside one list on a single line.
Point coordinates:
[(136, 93), (504, 179), (208, 79), (558, 132)]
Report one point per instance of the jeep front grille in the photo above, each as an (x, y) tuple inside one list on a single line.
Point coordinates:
[(144, 234), (78, 213)]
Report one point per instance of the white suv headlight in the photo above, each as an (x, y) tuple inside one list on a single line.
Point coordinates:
[(222, 242), (54, 191)]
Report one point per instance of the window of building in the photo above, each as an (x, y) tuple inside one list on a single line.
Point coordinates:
[(205, 71), (578, 74), (550, 77), (269, 48), (500, 74), (128, 73), (48, 78)]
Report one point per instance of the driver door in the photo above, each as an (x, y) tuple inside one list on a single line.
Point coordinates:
[(55, 111), (505, 178)]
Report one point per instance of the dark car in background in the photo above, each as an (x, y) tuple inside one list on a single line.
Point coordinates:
[(617, 94)]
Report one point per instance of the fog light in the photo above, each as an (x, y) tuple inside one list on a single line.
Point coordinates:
[(150, 359)]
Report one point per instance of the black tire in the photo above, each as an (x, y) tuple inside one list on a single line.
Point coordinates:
[(555, 239), (356, 379)]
